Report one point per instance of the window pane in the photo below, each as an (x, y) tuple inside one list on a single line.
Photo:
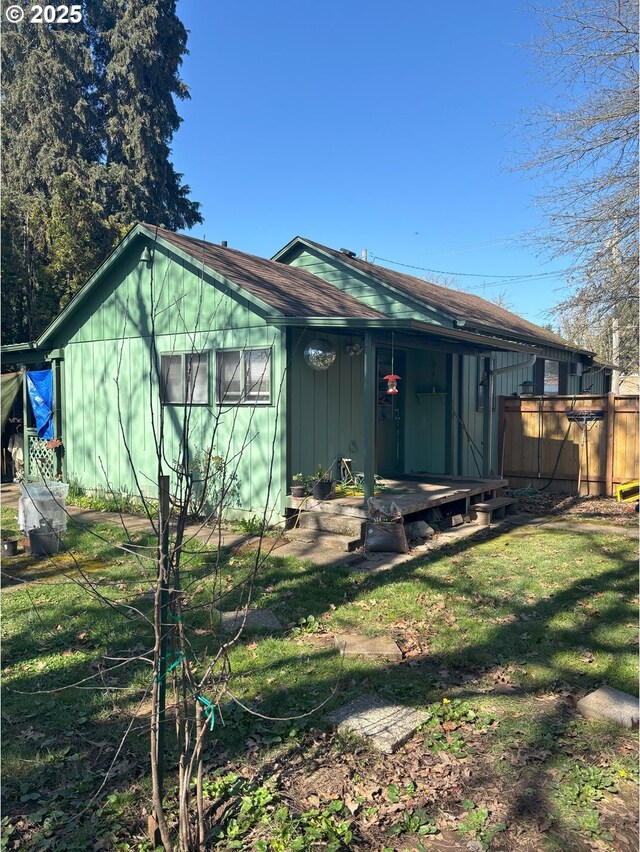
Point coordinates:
[(229, 377), (551, 377), (257, 370), (197, 378), (171, 378)]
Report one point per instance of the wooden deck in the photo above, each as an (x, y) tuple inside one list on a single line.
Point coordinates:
[(411, 494)]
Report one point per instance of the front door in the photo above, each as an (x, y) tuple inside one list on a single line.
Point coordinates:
[(390, 416)]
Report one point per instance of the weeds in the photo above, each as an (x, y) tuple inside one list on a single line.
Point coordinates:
[(257, 812), (476, 824), (416, 821), (577, 792), (442, 732)]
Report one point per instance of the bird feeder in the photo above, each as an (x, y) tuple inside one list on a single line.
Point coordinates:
[(392, 382)]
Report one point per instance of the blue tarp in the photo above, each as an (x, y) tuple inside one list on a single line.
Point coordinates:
[(40, 387)]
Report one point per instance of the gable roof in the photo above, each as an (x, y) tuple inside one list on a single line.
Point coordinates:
[(476, 312), (291, 292), (271, 287)]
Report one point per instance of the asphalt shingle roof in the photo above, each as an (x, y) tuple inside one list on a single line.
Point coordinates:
[(293, 292), (478, 313)]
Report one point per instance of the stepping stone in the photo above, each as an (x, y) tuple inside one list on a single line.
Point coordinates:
[(387, 725), (377, 647), (257, 620), (612, 704)]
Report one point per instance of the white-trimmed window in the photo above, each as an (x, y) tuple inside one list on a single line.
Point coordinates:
[(243, 376), (184, 378)]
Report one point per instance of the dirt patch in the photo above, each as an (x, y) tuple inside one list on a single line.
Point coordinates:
[(572, 507), (486, 793)]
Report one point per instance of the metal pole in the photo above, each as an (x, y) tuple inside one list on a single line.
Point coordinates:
[(163, 568)]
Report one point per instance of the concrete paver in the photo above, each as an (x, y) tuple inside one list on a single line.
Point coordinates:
[(373, 647), (258, 620), (612, 704), (386, 725)]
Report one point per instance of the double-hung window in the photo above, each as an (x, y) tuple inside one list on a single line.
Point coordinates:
[(244, 376), (184, 378)]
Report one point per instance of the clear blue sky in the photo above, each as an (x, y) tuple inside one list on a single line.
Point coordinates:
[(385, 126)]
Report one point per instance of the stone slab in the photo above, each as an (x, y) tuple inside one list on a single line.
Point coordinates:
[(612, 704), (376, 647), (386, 725), (257, 620)]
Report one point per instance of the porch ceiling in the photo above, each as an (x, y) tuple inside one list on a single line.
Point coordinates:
[(412, 332)]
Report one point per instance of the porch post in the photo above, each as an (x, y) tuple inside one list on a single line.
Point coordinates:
[(487, 417), (369, 406), (25, 419)]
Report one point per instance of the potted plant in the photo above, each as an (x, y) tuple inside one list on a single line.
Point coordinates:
[(299, 487), (322, 483), (9, 544)]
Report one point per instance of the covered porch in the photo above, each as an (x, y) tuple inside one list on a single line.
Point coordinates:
[(416, 438)]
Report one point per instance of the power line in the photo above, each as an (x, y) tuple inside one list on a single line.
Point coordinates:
[(506, 278)]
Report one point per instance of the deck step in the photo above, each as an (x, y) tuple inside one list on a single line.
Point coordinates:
[(492, 510), (324, 539), (326, 522)]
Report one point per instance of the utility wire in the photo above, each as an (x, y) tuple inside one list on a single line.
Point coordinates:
[(507, 278)]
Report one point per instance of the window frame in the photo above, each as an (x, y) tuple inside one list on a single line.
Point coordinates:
[(203, 356), (243, 399), (540, 377)]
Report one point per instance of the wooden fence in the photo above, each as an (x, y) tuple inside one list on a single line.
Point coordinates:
[(538, 442)]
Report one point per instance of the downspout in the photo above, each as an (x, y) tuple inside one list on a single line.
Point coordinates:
[(487, 423)]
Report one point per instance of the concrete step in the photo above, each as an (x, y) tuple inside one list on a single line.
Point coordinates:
[(492, 510), (324, 539), (326, 522)]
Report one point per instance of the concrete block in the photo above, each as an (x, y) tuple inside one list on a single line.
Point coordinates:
[(419, 529), (387, 726), (376, 647), (258, 620), (612, 704)]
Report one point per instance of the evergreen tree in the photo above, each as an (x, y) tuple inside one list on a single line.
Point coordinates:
[(140, 82), (87, 123)]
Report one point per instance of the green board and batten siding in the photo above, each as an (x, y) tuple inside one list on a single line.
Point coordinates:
[(326, 419), (394, 305), (110, 342)]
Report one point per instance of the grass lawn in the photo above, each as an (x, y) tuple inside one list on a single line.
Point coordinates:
[(499, 636)]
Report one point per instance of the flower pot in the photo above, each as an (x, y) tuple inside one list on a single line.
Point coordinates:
[(9, 546), (44, 542), (322, 489), (298, 490)]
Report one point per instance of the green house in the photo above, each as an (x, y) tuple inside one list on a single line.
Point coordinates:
[(205, 351)]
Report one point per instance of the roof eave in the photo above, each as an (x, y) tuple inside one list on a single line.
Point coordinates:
[(371, 323)]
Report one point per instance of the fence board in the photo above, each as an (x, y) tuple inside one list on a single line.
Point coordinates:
[(540, 444)]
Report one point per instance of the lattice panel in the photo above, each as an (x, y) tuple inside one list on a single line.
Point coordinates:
[(42, 461)]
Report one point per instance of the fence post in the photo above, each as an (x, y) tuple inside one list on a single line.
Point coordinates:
[(611, 414)]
